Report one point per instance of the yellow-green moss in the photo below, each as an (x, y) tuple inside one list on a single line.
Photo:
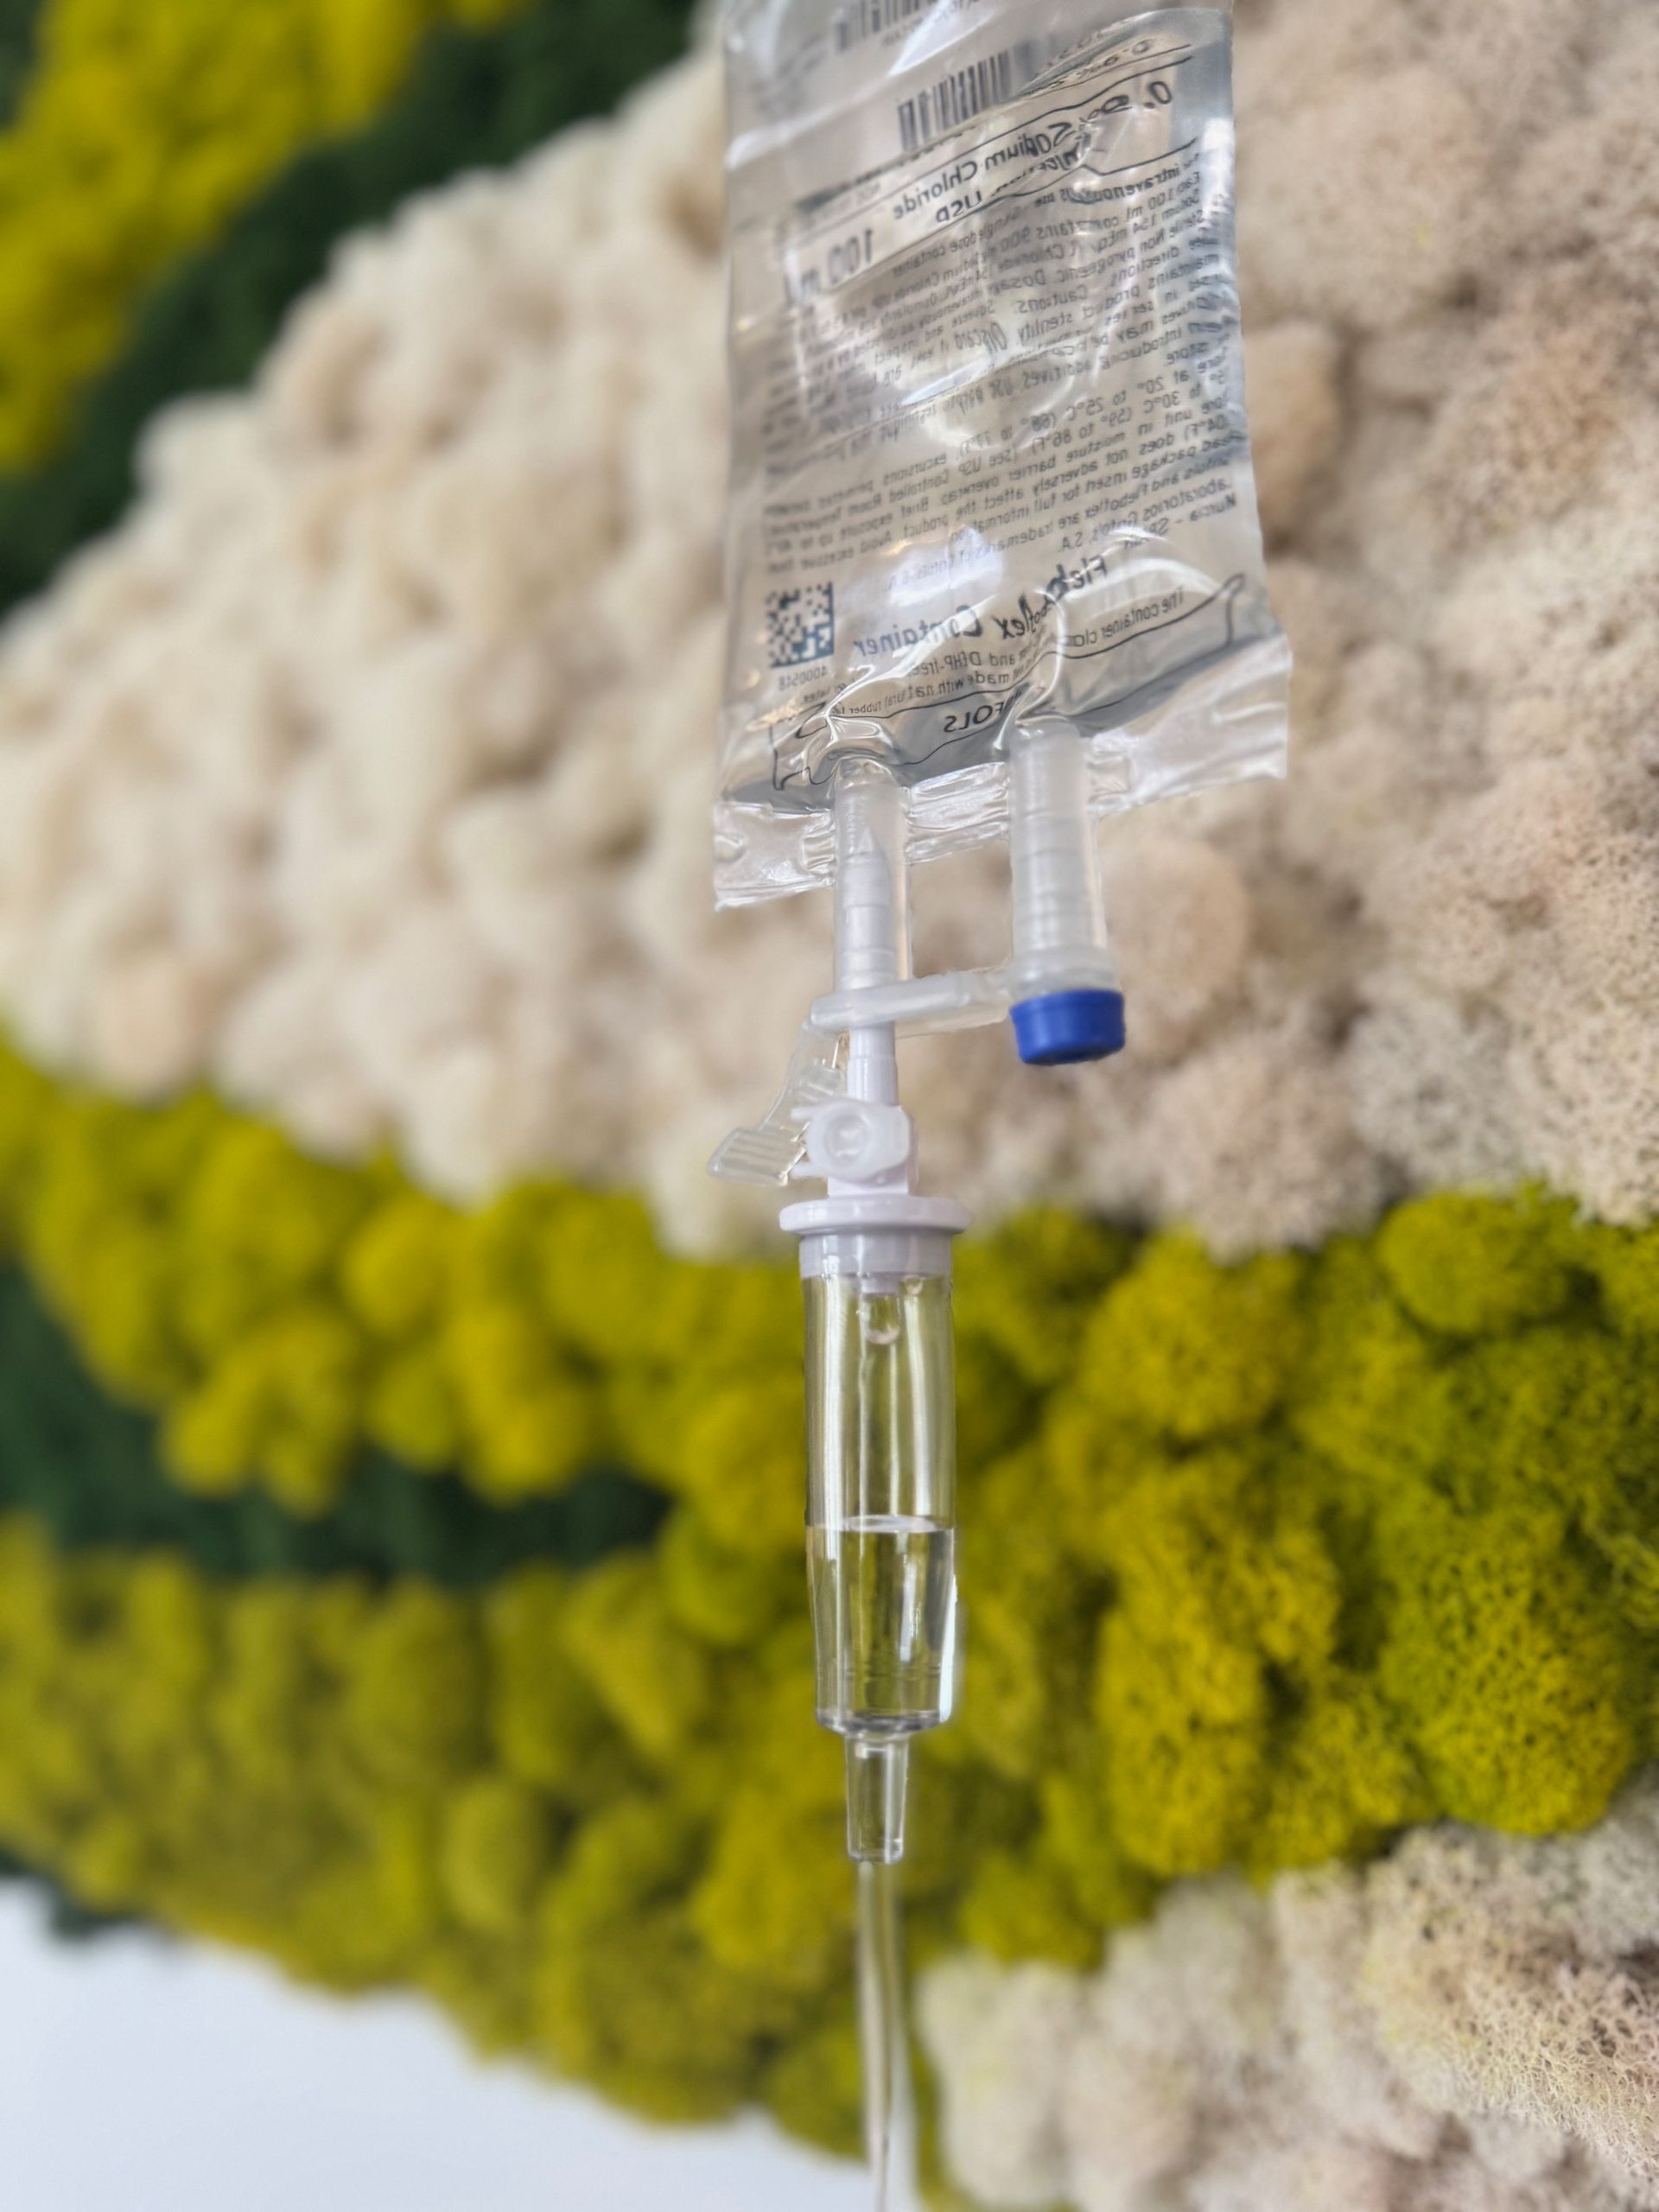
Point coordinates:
[(1525, 1705), (496, 1851), (1627, 1269), (1473, 1265), (1029, 1287), (1184, 1346), (1018, 1907), (815, 2086)]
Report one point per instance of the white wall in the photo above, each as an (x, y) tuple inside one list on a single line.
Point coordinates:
[(135, 2077)]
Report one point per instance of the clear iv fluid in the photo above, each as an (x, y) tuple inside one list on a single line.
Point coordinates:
[(884, 1613)]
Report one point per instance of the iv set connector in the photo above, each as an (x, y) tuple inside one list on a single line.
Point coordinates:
[(875, 1255), (1059, 990), (852, 1140)]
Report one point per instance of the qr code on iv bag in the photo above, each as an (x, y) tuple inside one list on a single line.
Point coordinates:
[(800, 625)]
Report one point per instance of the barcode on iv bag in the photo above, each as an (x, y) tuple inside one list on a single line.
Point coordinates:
[(963, 94), (865, 19)]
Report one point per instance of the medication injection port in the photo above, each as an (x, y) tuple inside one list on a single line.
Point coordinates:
[(1065, 1004)]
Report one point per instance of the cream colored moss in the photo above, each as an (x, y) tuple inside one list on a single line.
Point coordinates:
[(1470, 2026)]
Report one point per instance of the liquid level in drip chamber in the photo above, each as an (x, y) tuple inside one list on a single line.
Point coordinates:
[(884, 1610)]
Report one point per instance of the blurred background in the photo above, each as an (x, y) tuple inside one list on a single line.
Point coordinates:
[(403, 1658)]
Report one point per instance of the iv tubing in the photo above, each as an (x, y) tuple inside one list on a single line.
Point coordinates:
[(871, 916)]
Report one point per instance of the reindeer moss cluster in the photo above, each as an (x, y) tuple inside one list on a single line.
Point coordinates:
[(1307, 1550), (281, 1316)]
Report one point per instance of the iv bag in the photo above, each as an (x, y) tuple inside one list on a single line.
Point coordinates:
[(991, 464)]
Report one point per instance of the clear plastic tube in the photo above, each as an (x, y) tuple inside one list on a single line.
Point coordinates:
[(889, 2109), (882, 1510), (1059, 923), (872, 914)]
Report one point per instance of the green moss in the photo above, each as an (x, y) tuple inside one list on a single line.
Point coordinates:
[(1475, 1266), (641, 2014), (547, 1726), (776, 1902), (1515, 1687), (996, 1408), (641, 1850), (1626, 1265), (960, 1812), (1017, 1908), (19, 20), (1079, 1843), (741, 1455), (1087, 1463), (1027, 1624), (724, 1597), (496, 1848), (1189, 1348), (815, 2086), (1344, 1781), (1028, 1288), (608, 1289), (1561, 1410), (1276, 1560), (415, 1712), (1365, 1395), (1228, 1610), (655, 1681), (475, 99)]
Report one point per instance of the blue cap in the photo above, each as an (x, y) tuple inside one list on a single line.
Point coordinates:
[(1067, 1026)]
